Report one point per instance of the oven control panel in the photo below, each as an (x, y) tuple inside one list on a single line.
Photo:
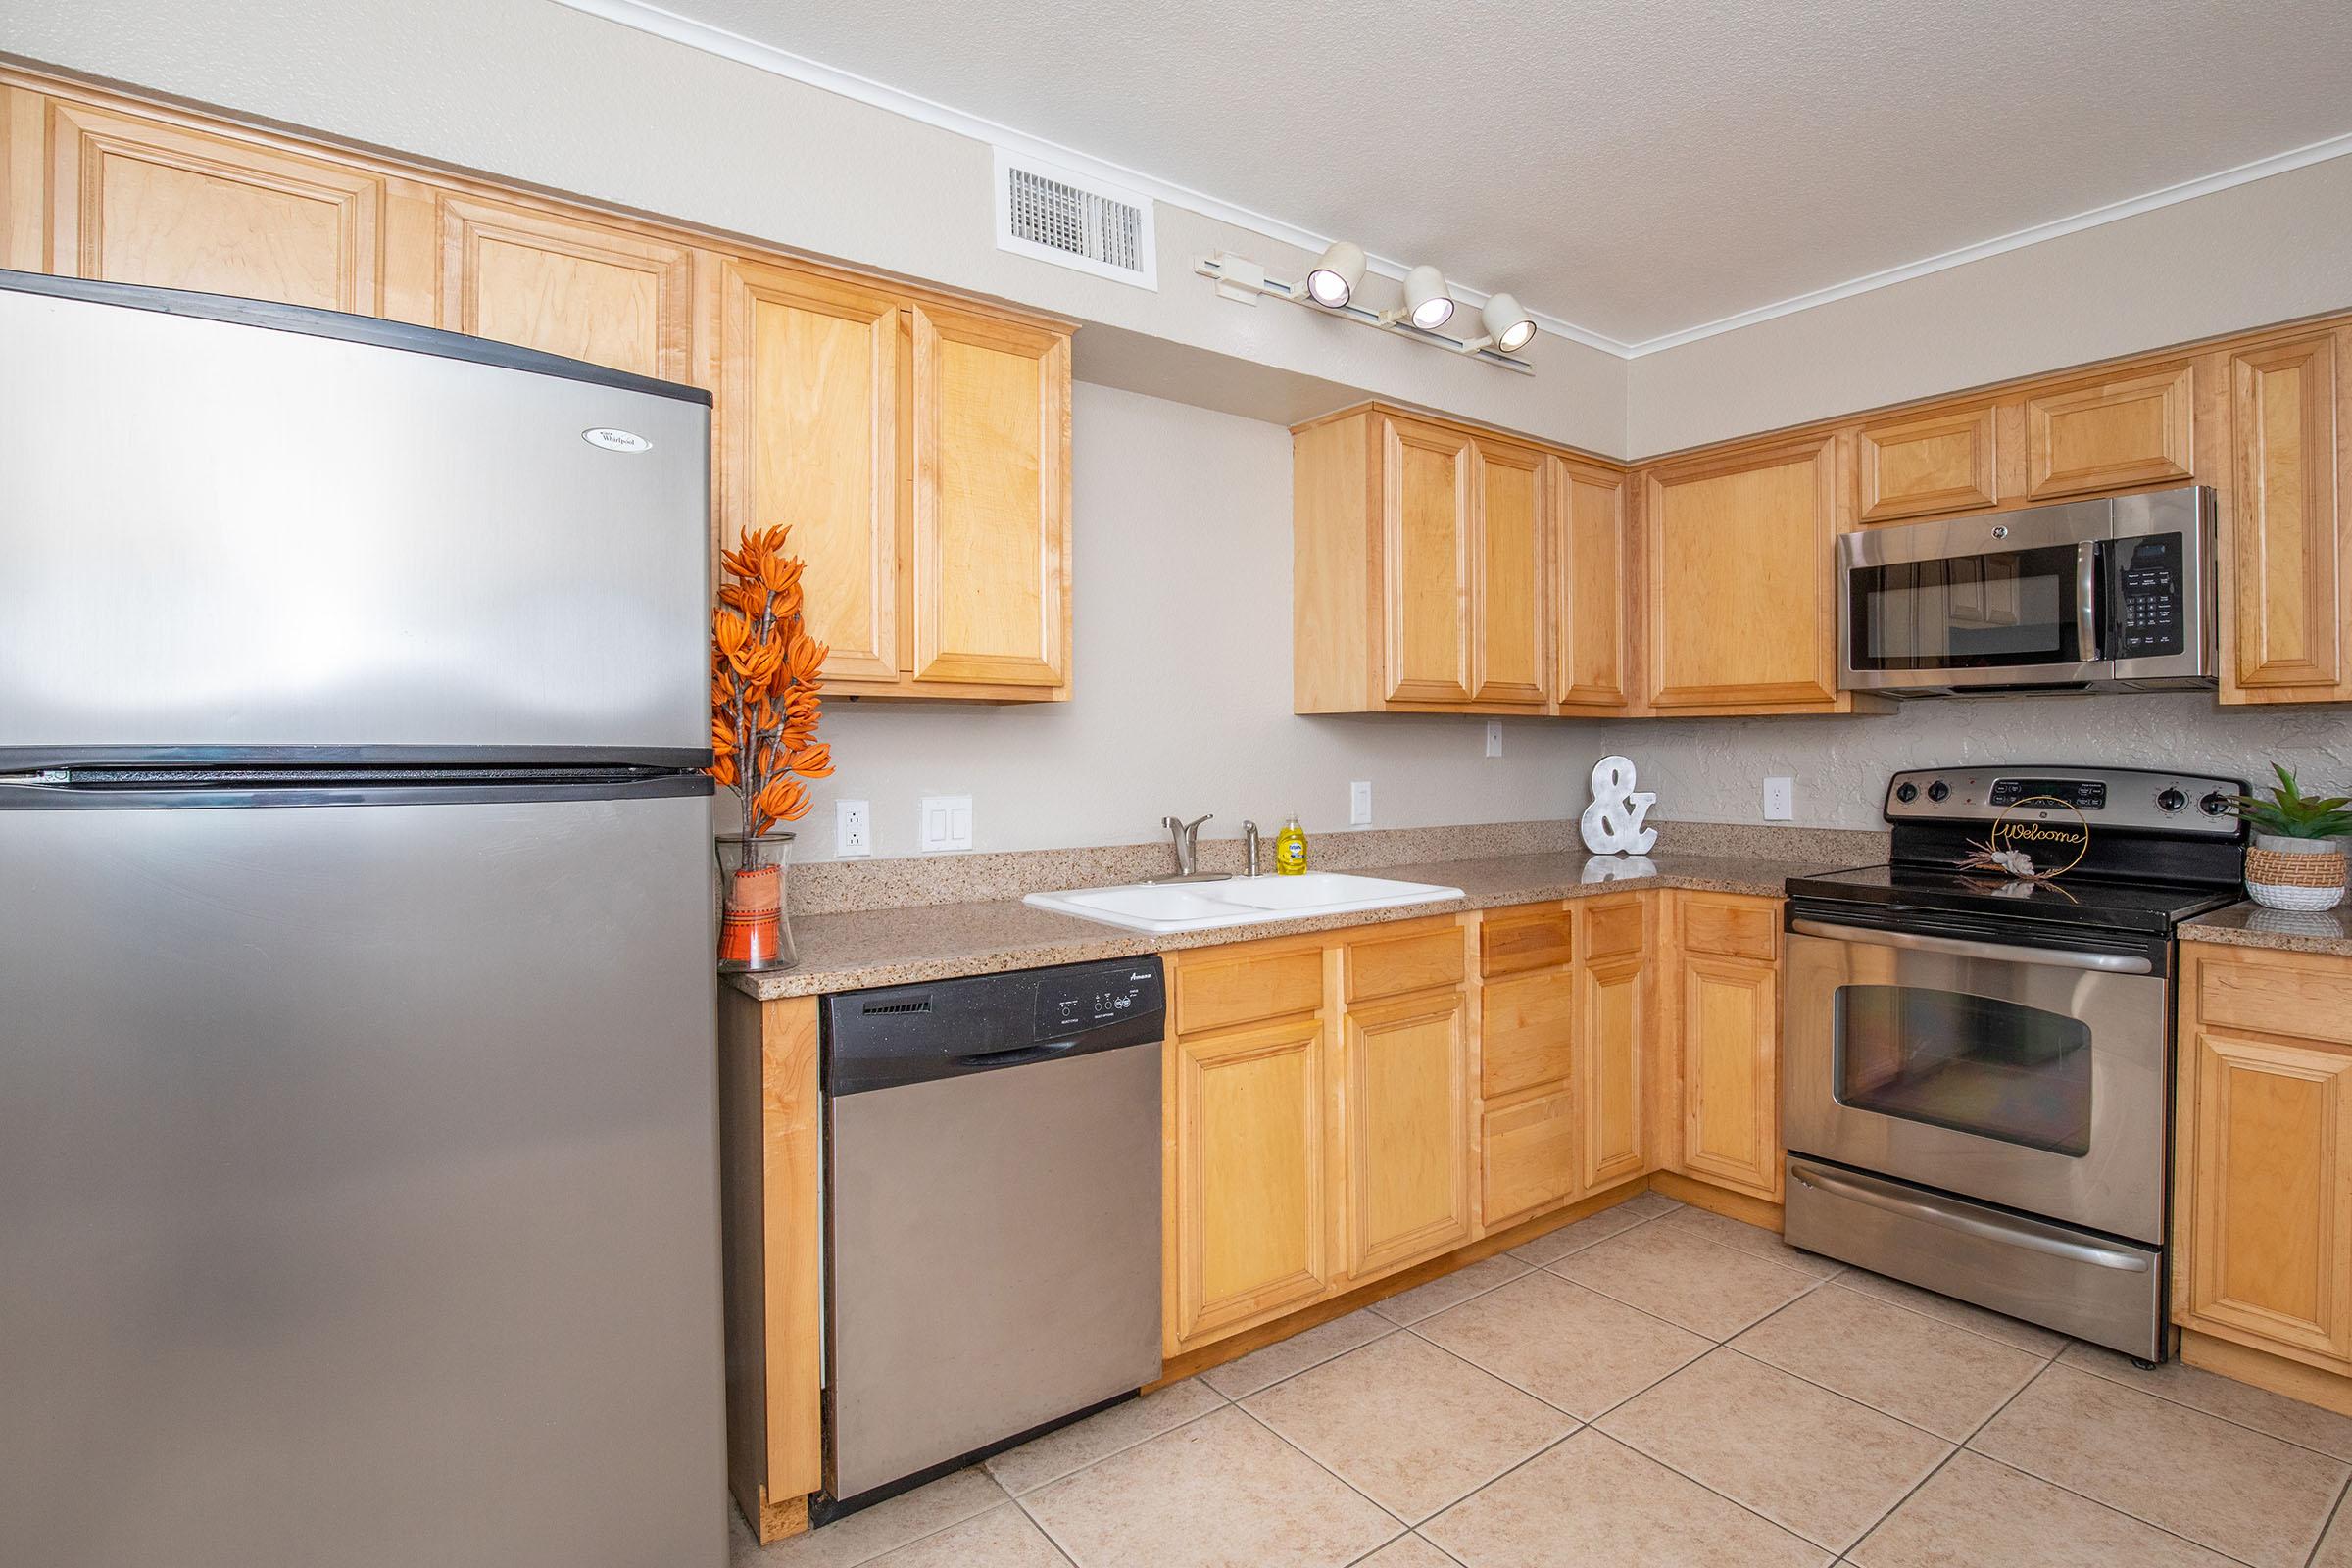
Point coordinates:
[(2185, 804)]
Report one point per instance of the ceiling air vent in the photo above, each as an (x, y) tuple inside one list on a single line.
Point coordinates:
[(1074, 220)]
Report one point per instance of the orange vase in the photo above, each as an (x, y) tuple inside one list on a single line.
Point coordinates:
[(754, 931)]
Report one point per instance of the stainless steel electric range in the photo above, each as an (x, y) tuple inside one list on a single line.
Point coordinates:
[(1977, 1087)]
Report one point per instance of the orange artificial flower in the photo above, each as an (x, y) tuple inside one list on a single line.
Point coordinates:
[(766, 672)]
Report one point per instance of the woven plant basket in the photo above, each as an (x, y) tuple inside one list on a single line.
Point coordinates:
[(2286, 880)]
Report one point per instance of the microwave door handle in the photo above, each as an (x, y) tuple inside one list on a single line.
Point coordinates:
[(2088, 635), (1964, 947)]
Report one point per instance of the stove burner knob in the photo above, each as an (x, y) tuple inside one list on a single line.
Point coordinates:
[(2214, 805), (1906, 793), (1938, 790), (2170, 800)]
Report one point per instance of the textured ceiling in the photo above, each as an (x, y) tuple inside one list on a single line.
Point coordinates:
[(1638, 170)]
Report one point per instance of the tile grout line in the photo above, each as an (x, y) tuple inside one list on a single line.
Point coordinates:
[(2052, 1481), (2093, 1371), (2326, 1523), (1406, 1526)]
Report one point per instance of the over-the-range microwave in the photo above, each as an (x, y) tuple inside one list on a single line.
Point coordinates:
[(2108, 594)]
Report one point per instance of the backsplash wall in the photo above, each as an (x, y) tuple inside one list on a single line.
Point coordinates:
[(1713, 770)]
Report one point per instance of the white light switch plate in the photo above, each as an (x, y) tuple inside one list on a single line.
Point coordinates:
[(852, 829), (946, 823), (1780, 800), (1493, 736), (1359, 804)]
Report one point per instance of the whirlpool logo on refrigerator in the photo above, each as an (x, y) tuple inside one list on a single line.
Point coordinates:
[(616, 440)]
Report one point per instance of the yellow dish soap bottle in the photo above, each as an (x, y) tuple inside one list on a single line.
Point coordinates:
[(1289, 850)]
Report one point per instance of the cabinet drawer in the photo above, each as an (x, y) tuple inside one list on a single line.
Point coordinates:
[(1535, 938), (2280, 994), (1729, 926), (1528, 1160), (1526, 1039), (1215, 990), (1615, 928), (1417, 960)]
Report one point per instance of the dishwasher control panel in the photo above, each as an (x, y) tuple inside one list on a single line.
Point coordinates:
[(1069, 1000)]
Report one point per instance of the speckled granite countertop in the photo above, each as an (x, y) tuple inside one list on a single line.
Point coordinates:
[(935, 941), (2250, 925)]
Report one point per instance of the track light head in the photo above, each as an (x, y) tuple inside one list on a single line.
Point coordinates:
[(1507, 325), (1427, 304), (1338, 275)]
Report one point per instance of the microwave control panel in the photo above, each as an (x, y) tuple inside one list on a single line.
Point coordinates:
[(2145, 581)]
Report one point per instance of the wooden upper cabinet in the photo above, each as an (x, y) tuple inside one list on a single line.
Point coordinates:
[(1425, 536), (809, 416), (992, 517), (569, 286), (1921, 464), (1591, 560), (138, 201), (1510, 648), (1405, 1086), (1742, 577), (2110, 434), (2288, 567)]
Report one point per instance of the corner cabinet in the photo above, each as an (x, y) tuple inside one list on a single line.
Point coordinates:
[(1428, 570), (1741, 574)]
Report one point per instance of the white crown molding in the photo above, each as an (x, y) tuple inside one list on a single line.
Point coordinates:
[(651, 18), (662, 24), (2318, 152)]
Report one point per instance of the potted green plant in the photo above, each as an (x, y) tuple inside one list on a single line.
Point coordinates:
[(2297, 862)]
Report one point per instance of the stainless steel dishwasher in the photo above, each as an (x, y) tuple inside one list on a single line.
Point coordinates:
[(992, 1185)]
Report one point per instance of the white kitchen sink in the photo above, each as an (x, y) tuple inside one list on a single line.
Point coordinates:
[(1170, 906)]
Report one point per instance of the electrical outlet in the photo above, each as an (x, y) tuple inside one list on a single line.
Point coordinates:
[(1493, 736), (852, 829), (946, 823), (1780, 800), (1359, 804)]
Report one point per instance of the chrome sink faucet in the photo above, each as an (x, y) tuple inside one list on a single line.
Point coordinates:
[(1249, 848), (1184, 840)]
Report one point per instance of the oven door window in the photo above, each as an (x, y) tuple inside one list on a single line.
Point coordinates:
[(2017, 607), (1976, 1064)]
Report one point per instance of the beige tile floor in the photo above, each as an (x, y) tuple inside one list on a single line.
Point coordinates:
[(1660, 1387)]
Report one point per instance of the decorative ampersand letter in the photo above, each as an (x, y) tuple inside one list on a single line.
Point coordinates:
[(1612, 823)]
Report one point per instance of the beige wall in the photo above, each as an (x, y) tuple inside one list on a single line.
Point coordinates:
[(529, 91), (1180, 605), (2267, 251)]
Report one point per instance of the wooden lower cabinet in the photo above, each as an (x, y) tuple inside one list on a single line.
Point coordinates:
[(2263, 1205), (1250, 1233), (1404, 1098), (1613, 1069), (1527, 1158), (1728, 1018)]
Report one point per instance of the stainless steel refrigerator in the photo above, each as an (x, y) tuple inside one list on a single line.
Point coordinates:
[(358, 1173)]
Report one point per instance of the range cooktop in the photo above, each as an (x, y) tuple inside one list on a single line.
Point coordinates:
[(2144, 850)]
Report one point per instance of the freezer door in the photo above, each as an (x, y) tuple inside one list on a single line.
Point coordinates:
[(217, 536), (358, 1194)]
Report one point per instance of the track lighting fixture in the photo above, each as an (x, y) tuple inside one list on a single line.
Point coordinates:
[(1338, 275), (1506, 323), (1427, 304)]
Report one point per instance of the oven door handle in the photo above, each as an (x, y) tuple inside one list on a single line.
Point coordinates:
[(1964, 947), (1871, 1194)]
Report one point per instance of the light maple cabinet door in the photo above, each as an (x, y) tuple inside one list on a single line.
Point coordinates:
[(1923, 464), (992, 536), (2110, 434), (1612, 1070), (809, 411), (2288, 569), (1248, 1213), (1741, 573), (1730, 1074), (2269, 1191), (1405, 1096), (1527, 1158), (1510, 649), (568, 287), (1589, 565), (130, 200), (1426, 561)]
